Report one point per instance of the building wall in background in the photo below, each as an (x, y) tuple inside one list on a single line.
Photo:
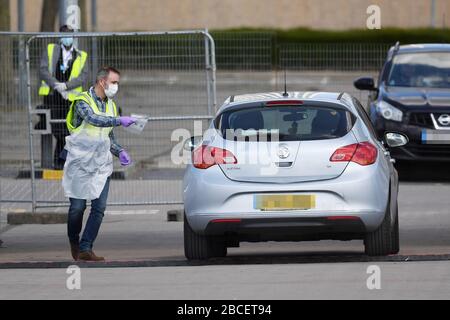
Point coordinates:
[(131, 15)]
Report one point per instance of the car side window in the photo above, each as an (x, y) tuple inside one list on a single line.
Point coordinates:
[(365, 118)]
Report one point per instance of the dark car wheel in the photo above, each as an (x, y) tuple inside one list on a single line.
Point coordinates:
[(200, 247), (396, 236), (379, 242)]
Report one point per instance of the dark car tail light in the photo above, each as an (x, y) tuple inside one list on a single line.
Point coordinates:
[(343, 218), (205, 157), (363, 153), (284, 103)]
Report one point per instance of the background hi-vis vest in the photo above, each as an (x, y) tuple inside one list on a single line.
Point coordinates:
[(77, 68), (93, 131)]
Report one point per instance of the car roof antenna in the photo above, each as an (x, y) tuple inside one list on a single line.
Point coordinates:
[(285, 94)]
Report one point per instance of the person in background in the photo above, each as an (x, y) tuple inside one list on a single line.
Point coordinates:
[(63, 71)]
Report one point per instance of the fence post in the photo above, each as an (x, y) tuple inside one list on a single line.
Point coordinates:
[(30, 126), (213, 73), (22, 71), (208, 70), (210, 62)]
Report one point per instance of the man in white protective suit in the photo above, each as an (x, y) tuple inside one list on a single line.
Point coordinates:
[(89, 163)]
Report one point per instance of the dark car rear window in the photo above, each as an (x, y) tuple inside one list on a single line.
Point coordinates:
[(286, 123)]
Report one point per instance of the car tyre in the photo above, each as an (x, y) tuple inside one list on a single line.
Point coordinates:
[(379, 242), (396, 236), (201, 247)]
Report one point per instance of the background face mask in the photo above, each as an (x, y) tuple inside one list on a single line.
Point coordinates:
[(67, 42)]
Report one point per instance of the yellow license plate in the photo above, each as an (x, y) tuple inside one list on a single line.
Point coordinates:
[(284, 202)]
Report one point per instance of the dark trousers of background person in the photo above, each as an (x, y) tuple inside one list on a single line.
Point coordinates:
[(58, 110)]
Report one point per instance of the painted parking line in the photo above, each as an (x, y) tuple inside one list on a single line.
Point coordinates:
[(7, 210), (109, 212), (131, 212)]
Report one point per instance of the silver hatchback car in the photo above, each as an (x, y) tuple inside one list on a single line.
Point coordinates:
[(298, 166)]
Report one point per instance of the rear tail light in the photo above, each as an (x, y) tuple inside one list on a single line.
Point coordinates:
[(204, 157), (363, 153), (344, 154)]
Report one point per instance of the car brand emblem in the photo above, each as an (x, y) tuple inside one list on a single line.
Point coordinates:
[(444, 120), (283, 152)]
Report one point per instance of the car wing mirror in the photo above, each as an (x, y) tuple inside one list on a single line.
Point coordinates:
[(365, 83)]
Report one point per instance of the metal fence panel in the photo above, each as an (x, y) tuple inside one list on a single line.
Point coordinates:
[(342, 57), (251, 51), (14, 142), (12, 100), (332, 66), (250, 62), (245, 62), (168, 76)]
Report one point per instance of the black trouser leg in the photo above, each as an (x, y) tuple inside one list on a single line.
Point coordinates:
[(58, 109), (60, 143)]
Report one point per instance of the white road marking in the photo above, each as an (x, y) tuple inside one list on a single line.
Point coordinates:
[(109, 212), (131, 212), (324, 81)]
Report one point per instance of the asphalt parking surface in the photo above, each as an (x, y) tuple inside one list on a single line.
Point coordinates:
[(413, 280), (143, 234), (140, 237)]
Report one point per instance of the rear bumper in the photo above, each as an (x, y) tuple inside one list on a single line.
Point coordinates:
[(361, 192), (288, 229)]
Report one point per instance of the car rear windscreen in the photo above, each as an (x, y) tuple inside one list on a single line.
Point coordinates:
[(286, 123)]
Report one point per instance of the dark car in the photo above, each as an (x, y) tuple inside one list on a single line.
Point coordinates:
[(413, 98)]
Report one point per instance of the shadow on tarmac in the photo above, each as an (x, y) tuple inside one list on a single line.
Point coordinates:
[(423, 171)]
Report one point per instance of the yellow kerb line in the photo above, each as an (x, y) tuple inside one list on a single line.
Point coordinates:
[(52, 174)]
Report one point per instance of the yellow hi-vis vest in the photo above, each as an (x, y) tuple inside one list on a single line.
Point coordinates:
[(77, 68), (91, 130)]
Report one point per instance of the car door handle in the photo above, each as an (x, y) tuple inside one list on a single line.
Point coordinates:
[(393, 161), (387, 153)]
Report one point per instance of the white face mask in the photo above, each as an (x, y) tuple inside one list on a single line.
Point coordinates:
[(112, 90)]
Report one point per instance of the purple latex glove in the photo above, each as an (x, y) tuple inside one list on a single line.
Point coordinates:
[(124, 158), (127, 121)]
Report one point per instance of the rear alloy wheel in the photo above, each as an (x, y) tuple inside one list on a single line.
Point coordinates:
[(200, 247), (396, 236), (379, 242)]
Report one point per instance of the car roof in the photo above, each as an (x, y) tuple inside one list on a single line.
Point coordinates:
[(424, 47), (335, 98)]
